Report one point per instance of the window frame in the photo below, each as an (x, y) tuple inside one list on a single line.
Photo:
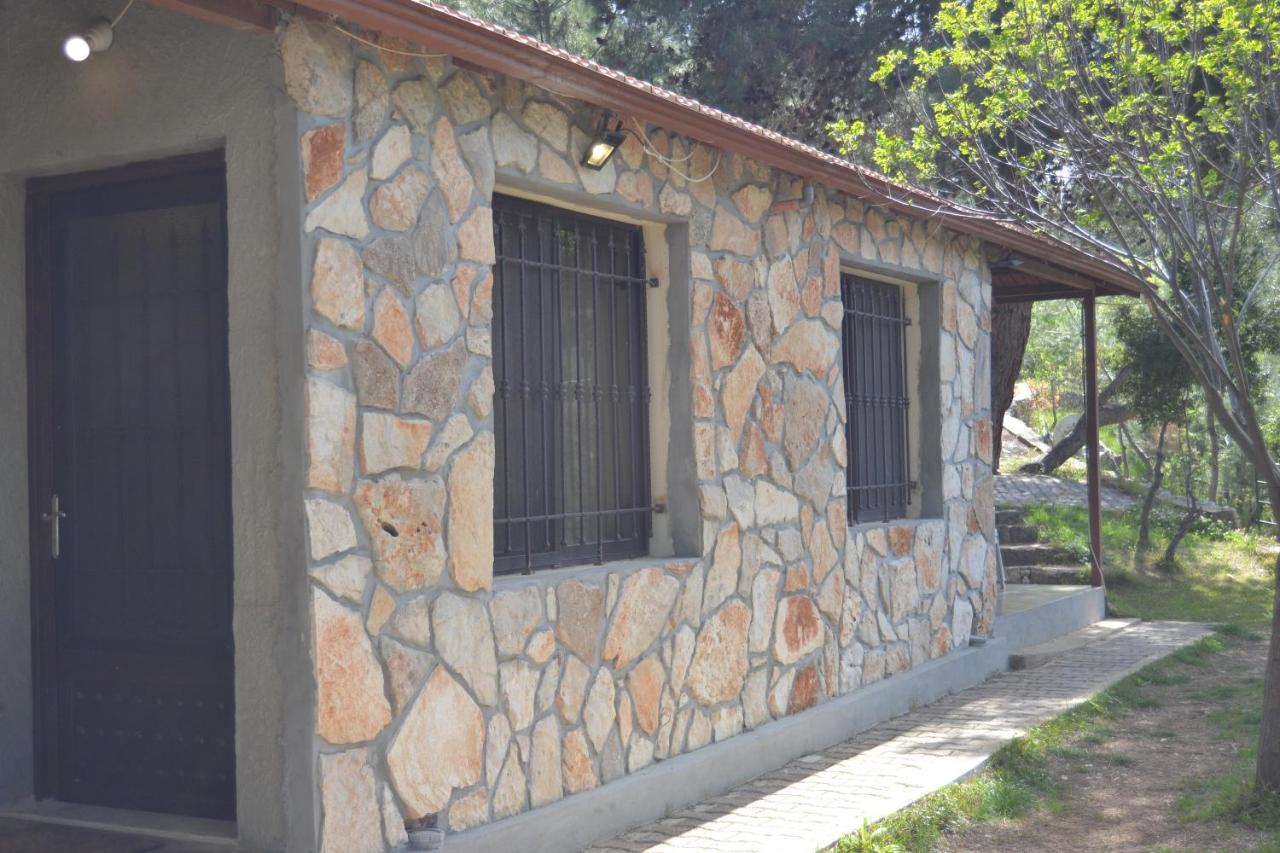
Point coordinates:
[(631, 397), (871, 307)]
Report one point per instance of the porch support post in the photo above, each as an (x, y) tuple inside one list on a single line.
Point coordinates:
[(1093, 475)]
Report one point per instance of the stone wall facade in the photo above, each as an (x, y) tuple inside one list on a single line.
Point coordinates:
[(441, 692)]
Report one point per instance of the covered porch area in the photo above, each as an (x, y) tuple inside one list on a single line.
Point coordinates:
[(1019, 279)]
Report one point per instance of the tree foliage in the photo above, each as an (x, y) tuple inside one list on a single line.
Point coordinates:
[(1147, 131), (790, 66), (1053, 356), (575, 25), (1158, 387)]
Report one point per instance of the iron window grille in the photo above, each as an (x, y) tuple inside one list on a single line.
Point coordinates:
[(875, 375), (571, 403)]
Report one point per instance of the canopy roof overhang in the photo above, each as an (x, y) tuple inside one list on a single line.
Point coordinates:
[(1018, 278), (1032, 266)]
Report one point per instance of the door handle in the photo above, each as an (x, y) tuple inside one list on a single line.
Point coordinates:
[(54, 519)]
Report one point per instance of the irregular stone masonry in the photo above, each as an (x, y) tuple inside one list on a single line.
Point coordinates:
[(473, 702), (813, 801)]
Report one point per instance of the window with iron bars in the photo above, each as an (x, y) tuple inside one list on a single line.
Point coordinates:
[(571, 403), (875, 376)]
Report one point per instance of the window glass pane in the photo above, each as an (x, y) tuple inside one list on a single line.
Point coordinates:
[(571, 480)]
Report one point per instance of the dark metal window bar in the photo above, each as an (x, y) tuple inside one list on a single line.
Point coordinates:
[(875, 375), (571, 480)]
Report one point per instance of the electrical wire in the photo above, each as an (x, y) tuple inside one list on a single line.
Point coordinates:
[(644, 138), (648, 146), (690, 178), (670, 162), (117, 18), (377, 46)]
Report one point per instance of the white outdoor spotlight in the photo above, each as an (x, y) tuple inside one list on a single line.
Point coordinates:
[(95, 39)]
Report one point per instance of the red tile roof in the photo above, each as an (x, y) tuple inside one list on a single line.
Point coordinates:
[(506, 52)]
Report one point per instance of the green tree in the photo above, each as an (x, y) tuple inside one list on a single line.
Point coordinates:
[(1157, 388), (1053, 357), (790, 66), (1148, 132), (575, 25)]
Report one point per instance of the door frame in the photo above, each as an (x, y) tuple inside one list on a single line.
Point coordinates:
[(42, 467)]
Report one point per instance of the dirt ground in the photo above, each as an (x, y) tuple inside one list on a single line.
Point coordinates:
[(1118, 788)]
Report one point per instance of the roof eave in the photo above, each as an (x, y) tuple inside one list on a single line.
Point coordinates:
[(442, 30)]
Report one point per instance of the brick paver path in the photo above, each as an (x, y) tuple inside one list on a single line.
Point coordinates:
[(811, 802)]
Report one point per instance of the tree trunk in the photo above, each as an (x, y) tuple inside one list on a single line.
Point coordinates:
[(1053, 405), (1187, 522), (1268, 767), (1133, 445), (1074, 440), (1157, 478), (1269, 742), (1010, 327), (1124, 454), (1215, 447)]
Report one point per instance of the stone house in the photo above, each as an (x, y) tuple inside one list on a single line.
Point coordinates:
[(373, 461)]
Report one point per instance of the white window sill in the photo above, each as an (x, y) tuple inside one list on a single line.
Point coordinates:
[(586, 572), (865, 526)]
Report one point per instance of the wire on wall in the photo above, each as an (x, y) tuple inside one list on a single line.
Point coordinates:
[(670, 162), (645, 143), (384, 48)]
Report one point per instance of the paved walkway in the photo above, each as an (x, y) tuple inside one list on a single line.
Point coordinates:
[(1014, 490), (811, 802)]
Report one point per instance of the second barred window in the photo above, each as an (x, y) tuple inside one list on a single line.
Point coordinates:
[(874, 348)]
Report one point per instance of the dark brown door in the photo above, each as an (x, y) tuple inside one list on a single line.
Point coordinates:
[(130, 435)]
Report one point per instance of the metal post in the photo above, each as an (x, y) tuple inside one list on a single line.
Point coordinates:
[(1091, 438)]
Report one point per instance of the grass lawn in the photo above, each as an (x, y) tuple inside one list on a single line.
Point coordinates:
[(1223, 576), (1113, 773), (1165, 756)]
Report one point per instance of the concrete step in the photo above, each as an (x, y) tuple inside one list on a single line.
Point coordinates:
[(1036, 554), (1039, 655), (1037, 613), (1064, 575), (1017, 534), (1010, 516)]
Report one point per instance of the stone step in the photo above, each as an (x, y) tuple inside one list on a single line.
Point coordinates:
[(1017, 534), (1039, 655), (1036, 554), (1063, 575), (1010, 516)]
